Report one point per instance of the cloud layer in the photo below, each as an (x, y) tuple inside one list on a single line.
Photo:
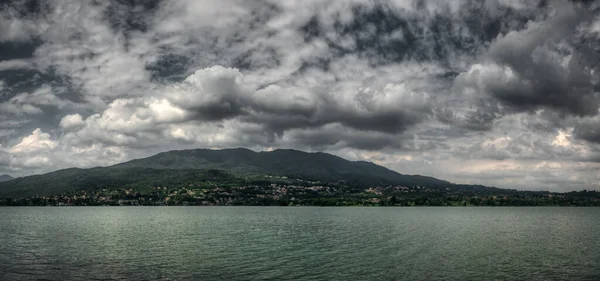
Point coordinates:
[(497, 92)]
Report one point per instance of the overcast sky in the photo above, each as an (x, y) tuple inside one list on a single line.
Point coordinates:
[(496, 92)]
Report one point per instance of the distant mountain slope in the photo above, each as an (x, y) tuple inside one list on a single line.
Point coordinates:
[(72, 179), (183, 166), (5, 178), (282, 162)]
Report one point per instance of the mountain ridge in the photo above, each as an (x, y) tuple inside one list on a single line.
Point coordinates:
[(180, 166), (266, 162)]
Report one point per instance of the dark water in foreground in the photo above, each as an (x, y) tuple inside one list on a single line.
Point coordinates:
[(264, 243)]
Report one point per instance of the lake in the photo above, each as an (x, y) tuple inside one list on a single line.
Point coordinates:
[(299, 243)]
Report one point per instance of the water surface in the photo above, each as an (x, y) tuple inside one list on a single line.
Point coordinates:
[(272, 243)]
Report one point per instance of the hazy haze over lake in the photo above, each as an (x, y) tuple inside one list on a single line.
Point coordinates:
[(252, 243)]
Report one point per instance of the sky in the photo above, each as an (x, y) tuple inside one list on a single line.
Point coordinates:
[(503, 93)]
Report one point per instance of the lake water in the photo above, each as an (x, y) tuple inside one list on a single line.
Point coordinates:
[(272, 243)]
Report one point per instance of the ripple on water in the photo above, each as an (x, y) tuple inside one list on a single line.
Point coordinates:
[(246, 243)]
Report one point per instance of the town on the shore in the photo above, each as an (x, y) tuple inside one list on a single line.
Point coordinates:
[(309, 194)]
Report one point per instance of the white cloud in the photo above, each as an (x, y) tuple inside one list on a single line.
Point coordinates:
[(563, 138), (15, 64), (30, 103), (497, 143), (36, 142), (15, 29), (79, 43), (19, 108), (71, 121), (33, 161), (44, 95)]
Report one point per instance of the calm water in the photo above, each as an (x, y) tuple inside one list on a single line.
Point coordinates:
[(263, 243)]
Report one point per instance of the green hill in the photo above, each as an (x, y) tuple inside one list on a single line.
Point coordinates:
[(282, 162), (227, 166), (73, 179)]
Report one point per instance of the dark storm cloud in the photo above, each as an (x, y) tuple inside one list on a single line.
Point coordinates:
[(479, 117), (219, 94), (385, 34), (548, 64), (131, 15), (567, 89), (588, 130), (389, 123), (325, 109), (480, 120), (337, 136)]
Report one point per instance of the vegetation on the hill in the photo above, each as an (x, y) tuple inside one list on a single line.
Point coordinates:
[(218, 188), (244, 177)]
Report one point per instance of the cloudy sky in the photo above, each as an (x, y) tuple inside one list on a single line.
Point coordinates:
[(496, 92)]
